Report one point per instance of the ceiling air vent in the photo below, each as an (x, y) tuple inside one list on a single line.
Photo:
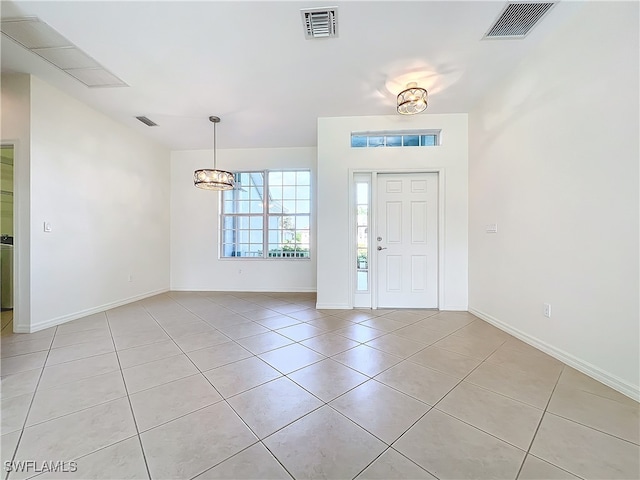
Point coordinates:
[(320, 22), (148, 122), (518, 19)]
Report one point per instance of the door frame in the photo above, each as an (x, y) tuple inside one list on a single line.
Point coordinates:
[(20, 240), (373, 259)]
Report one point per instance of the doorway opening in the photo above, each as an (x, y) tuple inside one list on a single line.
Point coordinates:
[(6, 235)]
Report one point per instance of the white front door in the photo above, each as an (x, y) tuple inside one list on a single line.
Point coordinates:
[(406, 241)]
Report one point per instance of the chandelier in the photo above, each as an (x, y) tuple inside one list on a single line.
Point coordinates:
[(213, 179)]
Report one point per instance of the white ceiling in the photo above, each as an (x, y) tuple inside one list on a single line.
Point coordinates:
[(250, 64)]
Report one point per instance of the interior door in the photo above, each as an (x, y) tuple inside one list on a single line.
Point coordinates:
[(406, 242)]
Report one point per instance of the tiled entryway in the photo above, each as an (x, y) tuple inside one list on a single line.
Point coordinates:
[(252, 385)]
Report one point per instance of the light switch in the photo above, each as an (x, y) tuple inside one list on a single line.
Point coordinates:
[(491, 228), (47, 227)]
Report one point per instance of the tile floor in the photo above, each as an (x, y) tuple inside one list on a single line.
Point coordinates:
[(250, 385)]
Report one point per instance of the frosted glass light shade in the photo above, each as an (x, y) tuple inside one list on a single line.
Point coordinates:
[(213, 179)]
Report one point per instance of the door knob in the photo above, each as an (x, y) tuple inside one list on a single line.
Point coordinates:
[(381, 248)]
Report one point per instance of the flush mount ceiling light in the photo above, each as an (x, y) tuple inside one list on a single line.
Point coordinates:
[(213, 179), (412, 100)]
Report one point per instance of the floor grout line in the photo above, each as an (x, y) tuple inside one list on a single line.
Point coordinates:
[(238, 415), (33, 396), (535, 433), (214, 387), (126, 389)]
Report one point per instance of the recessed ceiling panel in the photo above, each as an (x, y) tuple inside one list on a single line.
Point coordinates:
[(96, 77), (67, 57), (32, 33), (39, 38)]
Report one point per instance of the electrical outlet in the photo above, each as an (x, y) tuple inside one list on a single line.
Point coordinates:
[(547, 310)]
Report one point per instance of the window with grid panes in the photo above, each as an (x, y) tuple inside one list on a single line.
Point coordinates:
[(267, 215), (416, 138)]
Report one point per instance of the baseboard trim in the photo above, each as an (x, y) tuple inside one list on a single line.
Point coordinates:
[(261, 290), (90, 311), (340, 306), (333, 306), (613, 381), (454, 308)]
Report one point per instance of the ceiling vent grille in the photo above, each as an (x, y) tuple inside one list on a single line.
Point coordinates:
[(39, 38), (518, 19), (147, 121), (320, 22)]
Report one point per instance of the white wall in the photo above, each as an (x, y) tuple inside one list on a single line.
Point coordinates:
[(105, 191), (195, 227), (554, 162), (336, 158), (15, 129)]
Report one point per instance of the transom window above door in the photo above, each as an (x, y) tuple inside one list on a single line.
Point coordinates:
[(267, 215), (404, 138)]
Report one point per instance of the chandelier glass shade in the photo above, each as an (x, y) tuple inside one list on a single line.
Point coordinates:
[(412, 100), (213, 178)]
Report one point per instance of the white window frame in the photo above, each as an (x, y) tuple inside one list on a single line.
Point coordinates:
[(398, 133), (266, 215)]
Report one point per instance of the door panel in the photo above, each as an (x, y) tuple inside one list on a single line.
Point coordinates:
[(394, 273), (407, 222), (418, 186), (394, 222), (418, 273), (418, 222), (393, 186)]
